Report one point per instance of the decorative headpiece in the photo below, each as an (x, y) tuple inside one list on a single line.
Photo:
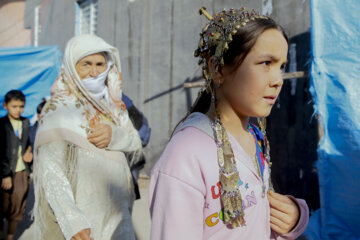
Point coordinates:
[(214, 41), (218, 34)]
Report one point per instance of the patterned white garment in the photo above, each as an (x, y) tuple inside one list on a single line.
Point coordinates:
[(77, 185)]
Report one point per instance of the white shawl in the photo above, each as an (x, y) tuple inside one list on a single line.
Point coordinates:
[(72, 109)]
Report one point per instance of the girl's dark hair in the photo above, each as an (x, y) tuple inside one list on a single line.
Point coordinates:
[(242, 43)]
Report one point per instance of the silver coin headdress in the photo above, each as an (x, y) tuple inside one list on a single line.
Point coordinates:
[(218, 34)]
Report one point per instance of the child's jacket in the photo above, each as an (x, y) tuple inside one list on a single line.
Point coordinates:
[(9, 145)]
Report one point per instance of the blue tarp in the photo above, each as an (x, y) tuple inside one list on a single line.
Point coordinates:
[(335, 86), (32, 70)]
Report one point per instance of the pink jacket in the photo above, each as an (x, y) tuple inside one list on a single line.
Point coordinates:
[(184, 191)]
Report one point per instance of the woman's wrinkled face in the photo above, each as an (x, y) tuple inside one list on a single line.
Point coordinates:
[(91, 66), (254, 86)]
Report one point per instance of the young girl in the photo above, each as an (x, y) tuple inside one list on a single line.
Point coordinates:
[(213, 179)]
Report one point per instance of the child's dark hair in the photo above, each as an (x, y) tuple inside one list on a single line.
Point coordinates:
[(14, 95), (40, 106)]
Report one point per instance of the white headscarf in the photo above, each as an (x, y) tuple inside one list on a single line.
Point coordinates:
[(74, 108), (84, 45)]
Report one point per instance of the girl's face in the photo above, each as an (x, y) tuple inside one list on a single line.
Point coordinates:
[(252, 89)]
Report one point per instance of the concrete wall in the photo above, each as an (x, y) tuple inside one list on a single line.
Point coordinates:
[(293, 15), (12, 31), (156, 39), (56, 20)]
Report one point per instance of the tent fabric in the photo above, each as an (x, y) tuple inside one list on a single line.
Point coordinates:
[(32, 70), (335, 71)]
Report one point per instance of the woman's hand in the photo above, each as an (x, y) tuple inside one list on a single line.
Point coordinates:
[(284, 213), (100, 135), (6, 183), (83, 235)]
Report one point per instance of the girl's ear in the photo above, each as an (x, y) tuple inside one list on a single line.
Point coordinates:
[(216, 75)]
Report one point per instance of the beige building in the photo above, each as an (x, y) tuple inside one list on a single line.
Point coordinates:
[(12, 30)]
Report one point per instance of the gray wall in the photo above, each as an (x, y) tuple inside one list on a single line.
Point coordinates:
[(57, 20), (156, 39)]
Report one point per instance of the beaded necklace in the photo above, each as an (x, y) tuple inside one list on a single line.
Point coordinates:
[(259, 159)]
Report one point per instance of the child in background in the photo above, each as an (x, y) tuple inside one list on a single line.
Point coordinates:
[(213, 179), (15, 161)]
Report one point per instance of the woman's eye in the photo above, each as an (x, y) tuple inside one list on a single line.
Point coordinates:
[(266, 63)]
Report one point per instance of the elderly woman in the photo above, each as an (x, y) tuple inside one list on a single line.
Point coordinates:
[(83, 184)]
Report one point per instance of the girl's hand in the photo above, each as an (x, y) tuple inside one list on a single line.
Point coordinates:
[(6, 183), (100, 135), (83, 235), (284, 213)]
